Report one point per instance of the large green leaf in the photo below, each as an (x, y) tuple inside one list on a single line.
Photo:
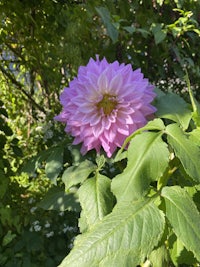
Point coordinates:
[(173, 107), (184, 217), (96, 198), (147, 160), (186, 150), (133, 228), (77, 174), (54, 164)]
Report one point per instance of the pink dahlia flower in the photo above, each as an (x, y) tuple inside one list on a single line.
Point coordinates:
[(104, 104)]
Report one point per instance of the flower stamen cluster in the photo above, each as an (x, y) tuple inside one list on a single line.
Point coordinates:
[(107, 104)]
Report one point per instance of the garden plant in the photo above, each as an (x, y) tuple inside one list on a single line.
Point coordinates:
[(99, 133)]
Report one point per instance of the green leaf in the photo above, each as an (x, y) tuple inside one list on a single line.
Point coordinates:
[(125, 258), (96, 198), (129, 29), (57, 199), (154, 125), (195, 136), (54, 164), (185, 150), (8, 238), (159, 257), (111, 29), (77, 174), (148, 158), (184, 217), (133, 228), (100, 160), (178, 253), (173, 107), (158, 32), (34, 162)]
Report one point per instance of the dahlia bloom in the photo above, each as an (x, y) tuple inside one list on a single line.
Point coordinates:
[(104, 104)]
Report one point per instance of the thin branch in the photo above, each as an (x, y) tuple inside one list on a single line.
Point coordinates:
[(20, 87)]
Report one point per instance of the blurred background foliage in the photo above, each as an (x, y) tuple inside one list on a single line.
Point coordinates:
[(42, 44)]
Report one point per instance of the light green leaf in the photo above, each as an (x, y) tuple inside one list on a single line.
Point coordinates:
[(148, 158), (194, 136), (54, 164), (96, 198), (154, 125), (125, 258), (185, 150), (160, 2), (133, 228), (178, 253), (77, 174), (100, 161), (184, 217), (159, 257), (173, 107), (57, 199), (106, 18)]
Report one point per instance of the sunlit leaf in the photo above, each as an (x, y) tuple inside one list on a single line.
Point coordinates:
[(184, 217), (96, 198), (173, 107), (147, 160), (194, 136), (133, 228), (159, 257), (154, 125), (185, 150)]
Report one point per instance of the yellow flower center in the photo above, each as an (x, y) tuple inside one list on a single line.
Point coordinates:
[(108, 103)]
